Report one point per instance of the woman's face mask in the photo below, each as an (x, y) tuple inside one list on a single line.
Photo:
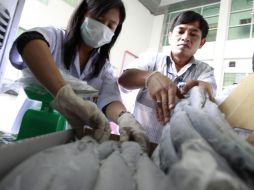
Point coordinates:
[(94, 33)]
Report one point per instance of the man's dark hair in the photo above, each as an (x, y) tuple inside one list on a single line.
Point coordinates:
[(189, 17), (73, 39)]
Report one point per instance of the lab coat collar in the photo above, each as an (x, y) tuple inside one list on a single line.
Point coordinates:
[(88, 68), (172, 67)]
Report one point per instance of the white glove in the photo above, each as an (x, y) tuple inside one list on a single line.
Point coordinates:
[(81, 112), (130, 129)]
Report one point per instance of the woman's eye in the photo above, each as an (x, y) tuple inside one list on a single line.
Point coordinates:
[(113, 26), (99, 21)]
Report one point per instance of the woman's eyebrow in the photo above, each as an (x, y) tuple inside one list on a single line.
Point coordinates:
[(113, 21)]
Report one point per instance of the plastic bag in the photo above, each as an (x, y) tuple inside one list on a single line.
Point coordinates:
[(81, 88)]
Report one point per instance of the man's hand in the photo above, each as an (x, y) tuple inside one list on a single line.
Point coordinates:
[(205, 86), (164, 92), (130, 129), (80, 112)]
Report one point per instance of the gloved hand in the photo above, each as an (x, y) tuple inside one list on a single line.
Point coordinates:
[(130, 129), (81, 112)]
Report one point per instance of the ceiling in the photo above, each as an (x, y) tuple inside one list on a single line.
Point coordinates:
[(158, 7)]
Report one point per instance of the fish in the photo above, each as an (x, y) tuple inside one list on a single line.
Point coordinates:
[(236, 155), (52, 168), (199, 166), (167, 152), (149, 176), (114, 174)]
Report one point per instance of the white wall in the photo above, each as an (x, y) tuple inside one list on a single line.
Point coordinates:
[(35, 13), (141, 32), (156, 33), (239, 48)]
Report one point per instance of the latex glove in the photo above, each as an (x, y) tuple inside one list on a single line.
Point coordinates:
[(130, 129), (81, 112)]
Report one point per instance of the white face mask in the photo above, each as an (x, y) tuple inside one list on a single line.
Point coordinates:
[(94, 33)]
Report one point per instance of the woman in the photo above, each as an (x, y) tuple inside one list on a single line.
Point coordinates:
[(82, 51)]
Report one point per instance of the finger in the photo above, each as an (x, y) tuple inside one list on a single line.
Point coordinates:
[(159, 114), (79, 132), (124, 134), (157, 99), (207, 89), (102, 127), (189, 85), (165, 107), (210, 94), (158, 108), (106, 134), (171, 98), (76, 125), (141, 140)]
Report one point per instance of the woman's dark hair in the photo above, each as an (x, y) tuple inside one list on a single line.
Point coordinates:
[(73, 38), (189, 17)]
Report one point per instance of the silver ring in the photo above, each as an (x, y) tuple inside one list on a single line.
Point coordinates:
[(158, 103)]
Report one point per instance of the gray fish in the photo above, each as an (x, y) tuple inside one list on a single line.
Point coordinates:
[(149, 176), (197, 97), (240, 160), (131, 152), (167, 153), (48, 168), (114, 174), (199, 167), (107, 148)]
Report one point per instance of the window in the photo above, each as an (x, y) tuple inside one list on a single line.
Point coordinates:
[(20, 31), (46, 2), (72, 3), (241, 21), (209, 12), (231, 78)]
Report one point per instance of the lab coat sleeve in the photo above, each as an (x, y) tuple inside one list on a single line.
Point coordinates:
[(52, 35), (109, 91), (207, 75)]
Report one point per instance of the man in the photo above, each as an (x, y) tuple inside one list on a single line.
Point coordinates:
[(159, 76)]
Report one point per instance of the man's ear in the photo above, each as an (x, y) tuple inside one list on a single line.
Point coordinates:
[(203, 41)]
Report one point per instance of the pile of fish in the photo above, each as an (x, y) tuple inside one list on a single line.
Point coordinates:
[(87, 165), (198, 151)]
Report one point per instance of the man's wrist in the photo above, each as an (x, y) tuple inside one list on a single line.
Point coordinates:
[(149, 76)]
